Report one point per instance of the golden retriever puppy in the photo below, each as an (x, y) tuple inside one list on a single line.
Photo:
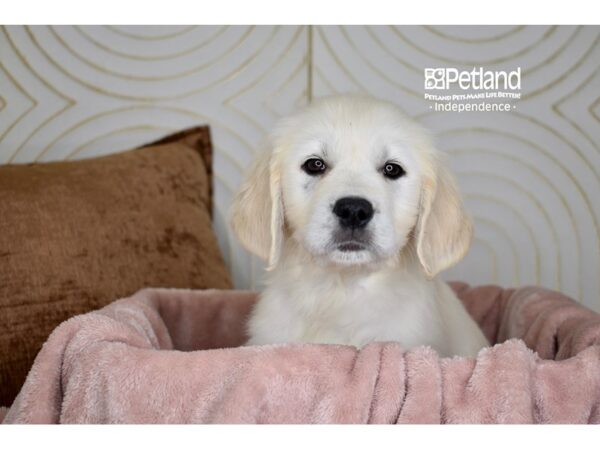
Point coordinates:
[(356, 214)]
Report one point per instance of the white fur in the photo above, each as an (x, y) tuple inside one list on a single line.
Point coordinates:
[(385, 292)]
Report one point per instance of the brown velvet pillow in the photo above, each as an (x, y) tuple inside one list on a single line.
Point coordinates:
[(75, 236)]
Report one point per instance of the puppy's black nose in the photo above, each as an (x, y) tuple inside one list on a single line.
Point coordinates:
[(354, 212)]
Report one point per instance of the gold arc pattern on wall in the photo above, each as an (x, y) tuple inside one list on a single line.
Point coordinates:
[(524, 192), (84, 90)]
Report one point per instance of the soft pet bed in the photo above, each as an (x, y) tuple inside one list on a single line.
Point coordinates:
[(168, 356)]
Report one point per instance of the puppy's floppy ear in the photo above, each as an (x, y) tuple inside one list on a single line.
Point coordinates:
[(256, 214), (443, 230)]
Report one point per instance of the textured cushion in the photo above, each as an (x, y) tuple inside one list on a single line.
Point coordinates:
[(74, 236)]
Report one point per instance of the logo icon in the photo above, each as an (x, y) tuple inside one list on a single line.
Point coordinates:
[(435, 78)]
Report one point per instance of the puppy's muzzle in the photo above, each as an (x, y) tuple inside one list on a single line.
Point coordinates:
[(353, 212)]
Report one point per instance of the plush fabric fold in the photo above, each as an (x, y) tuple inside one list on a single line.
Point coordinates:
[(174, 356)]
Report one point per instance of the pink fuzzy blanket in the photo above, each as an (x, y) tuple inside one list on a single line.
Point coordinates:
[(169, 356)]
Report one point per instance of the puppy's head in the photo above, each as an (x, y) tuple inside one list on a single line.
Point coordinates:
[(353, 181)]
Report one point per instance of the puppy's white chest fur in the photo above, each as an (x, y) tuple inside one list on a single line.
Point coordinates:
[(309, 304)]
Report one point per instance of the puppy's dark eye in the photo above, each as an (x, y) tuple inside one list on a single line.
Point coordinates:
[(393, 171), (314, 166)]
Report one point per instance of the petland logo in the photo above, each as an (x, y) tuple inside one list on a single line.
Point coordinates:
[(451, 90), (442, 78)]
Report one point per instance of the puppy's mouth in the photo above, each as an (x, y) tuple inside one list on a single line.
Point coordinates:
[(351, 246), (351, 240)]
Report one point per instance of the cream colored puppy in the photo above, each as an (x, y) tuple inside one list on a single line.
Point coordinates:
[(356, 214)]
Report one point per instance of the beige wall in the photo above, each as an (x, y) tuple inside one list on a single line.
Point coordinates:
[(531, 177)]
